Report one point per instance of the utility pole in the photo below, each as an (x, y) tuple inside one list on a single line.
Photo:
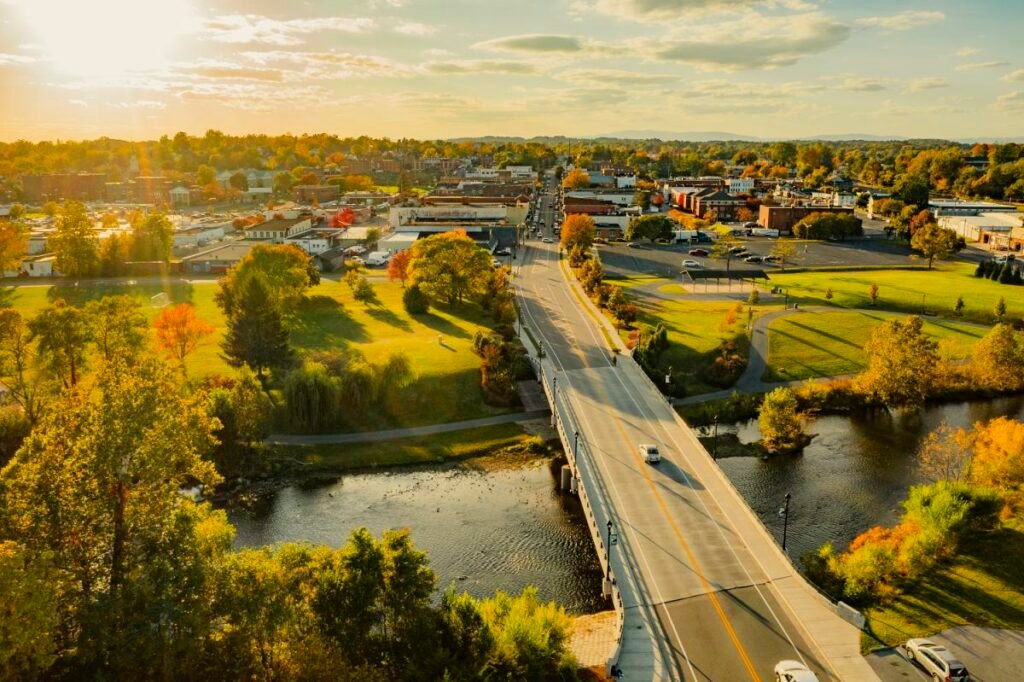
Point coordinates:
[(608, 552)]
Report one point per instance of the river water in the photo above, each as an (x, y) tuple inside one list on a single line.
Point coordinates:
[(482, 530), (852, 476), (509, 528)]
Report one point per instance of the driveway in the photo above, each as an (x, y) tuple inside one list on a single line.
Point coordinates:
[(991, 655)]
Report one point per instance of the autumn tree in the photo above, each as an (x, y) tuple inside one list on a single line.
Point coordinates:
[(873, 293), (179, 331), (398, 266), (13, 245), (75, 242), (576, 179), (784, 250), (115, 252), (945, 453), (901, 363), (62, 333), (205, 175), (652, 227), (997, 360), (373, 236), (239, 181), (780, 423), (450, 266), (998, 459), (28, 594), (999, 310), (256, 335), (935, 242), (578, 232), (365, 293), (722, 249)]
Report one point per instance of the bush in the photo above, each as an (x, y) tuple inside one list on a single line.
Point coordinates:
[(14, 427), (726, 367), (780, 422), (312, 397), (415, 301)]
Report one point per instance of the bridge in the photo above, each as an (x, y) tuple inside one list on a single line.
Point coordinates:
[(702, 589)]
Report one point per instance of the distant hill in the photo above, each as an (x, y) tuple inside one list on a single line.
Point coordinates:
[(695, 136)]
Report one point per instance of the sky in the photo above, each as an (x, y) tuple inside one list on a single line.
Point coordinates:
[(138, 69)]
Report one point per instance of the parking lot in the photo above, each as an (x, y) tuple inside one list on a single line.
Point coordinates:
[(621, 260), (990, 655)]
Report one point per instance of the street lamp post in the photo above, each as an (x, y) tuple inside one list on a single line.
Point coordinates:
[(608, 552), (668, 376), (576, 445), (785, 521), (714, 448)]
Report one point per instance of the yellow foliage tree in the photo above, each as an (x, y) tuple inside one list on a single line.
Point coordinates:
[(578, 231), (576, 179)]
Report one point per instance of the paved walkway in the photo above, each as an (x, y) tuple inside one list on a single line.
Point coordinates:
[(393, 434), (594, 638)]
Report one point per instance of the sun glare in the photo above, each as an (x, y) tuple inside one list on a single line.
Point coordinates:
[(104, 39)]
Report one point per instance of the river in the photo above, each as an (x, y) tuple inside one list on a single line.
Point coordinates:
[(482, 530), (509, 528), (852, 476)]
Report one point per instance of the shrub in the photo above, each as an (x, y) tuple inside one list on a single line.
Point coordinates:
[(415, 301), (312, 397), (14, 427), (726, 367), (780, 422)]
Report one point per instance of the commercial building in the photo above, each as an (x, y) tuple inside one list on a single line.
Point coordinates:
[(722, 203), (279, 229), (986, 227), (318, 193), (61, 186), (218, 259), (489, 213), (783, 218), (740, 185)]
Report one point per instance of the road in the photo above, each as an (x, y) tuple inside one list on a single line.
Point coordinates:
[(716, 598)]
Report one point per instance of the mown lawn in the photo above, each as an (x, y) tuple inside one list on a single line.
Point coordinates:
[(902, 290), (447, 371), (983, 585), (418, 450), (823, 344)]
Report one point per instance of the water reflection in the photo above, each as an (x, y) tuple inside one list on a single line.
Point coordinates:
[(483, 531), (853, 475)]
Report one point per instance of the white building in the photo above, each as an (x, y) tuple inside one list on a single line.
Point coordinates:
[(740, 185), (972, 227), (625, 181), (620, 198), (506, 173), (401, 217), (279, 229)]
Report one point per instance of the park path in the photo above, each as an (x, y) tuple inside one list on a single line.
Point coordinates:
[(393, 434)]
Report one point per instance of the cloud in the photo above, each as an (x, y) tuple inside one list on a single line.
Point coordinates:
[(862, 85), (254, 28), (461, 67), (660, 10), (967, 51), (621, 77), (1017, 76), (217, 70), (6, 59), (139, 104), (978, 66), (1011, 101), (328, 65), (771, 42), (414, 28), (928, 83), (903, 21), (536, 42)]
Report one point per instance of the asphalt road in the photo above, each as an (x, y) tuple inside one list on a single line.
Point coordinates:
[(719, 614)]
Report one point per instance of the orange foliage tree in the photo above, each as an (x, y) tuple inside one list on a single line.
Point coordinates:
[(398, 267), (179, 331), (578, 231)]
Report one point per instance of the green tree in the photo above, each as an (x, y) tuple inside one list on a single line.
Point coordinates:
[(119, 328), (1000, 309), (97, 486), (75, 242), (115, 252), (780, 423), (911, 189), (13, 245), (785, 251), (51, 209), (415, 301), (152, 238), (958, 307), (27, 592), (722, 249), (17, 362), (205, 175), (653, 227), (239, 181), (373, 236), (256, 335), (935, 242), (286, 268), (63, 333), (365, 293), (901, 363), (450, 266)]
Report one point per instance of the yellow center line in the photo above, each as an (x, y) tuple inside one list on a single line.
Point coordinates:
[(689, 553)]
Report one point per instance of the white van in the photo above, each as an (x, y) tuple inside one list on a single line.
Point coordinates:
[(378, 258)]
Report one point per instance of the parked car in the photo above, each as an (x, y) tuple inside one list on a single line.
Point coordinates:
[(751, 224), (495, 263), (504, 251), (771, 259), (633, 245), (548, 240), (698, 252), (690, 263), (793, 671), (355, 260), (937, 660), (650, 453), (753, 259), (737, 250)]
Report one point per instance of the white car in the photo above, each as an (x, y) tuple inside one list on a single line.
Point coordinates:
[(548, 240), (793, 671), (688, 263), (649, 453), (937, 661)]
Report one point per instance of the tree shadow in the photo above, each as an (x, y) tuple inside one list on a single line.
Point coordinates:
[(442, 325), (8, 297), (320, 321), (389, 317), (78, 295)]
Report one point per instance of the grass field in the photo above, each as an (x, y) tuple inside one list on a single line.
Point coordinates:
[(695, 331), (902, 290), (823, 344), (983, 585), (447, 383), (419, 450)]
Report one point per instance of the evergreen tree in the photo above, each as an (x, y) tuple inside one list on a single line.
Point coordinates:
[(256, 335)]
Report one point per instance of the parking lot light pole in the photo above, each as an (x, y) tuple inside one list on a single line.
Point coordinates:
[(576, 445), (608, 552)]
